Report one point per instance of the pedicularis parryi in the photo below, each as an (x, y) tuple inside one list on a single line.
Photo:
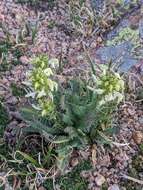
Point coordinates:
[(75, 111)]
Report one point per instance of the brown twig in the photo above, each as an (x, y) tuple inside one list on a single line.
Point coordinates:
[(132, 179)]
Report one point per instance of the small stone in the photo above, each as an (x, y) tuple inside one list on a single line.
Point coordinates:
[(96, 188), (12, 100), (85, 154), (141, 28), (93, 45), (141, 120), (2, 93), (131, 111), (91, 186), (24, 60), (99, 40), (105, 160), (12, 124), (138, 137), (15, 115), (85, 174), (7, 186), (114, 187), (74, 162), (41, 188), (95, 173), (91, 179), (100, 180)]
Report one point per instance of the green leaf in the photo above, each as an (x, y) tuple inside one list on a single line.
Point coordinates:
[(28, 158), (61, 139), (38, 124), (67, 119)]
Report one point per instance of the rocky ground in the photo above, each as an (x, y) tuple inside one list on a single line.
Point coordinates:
[(116, 167)]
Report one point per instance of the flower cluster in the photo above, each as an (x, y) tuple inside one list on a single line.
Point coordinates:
[(42, 84), (110, 86)]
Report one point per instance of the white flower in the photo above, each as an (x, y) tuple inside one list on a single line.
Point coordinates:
[(54, 63)]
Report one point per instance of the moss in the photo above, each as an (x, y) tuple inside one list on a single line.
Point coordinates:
[(17, 91), (139, 94), (17, 53), (5, 50), (105, 186), (51, 24), (4, 47), (73, 180), (138, 163), (141, 148), (3, 116), (135, 171), (126, 34)]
